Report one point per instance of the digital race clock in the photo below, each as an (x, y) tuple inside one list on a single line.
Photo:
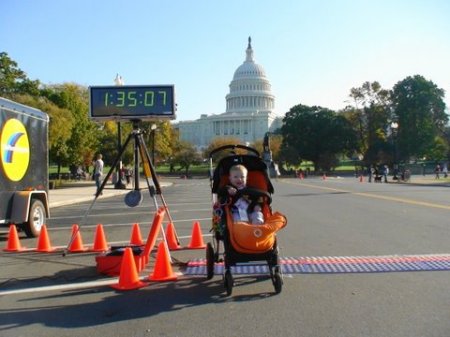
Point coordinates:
[(149, 102)]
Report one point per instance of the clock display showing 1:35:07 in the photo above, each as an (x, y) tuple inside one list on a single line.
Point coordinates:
[(133, 98)]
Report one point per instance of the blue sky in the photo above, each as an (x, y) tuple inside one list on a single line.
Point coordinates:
[(313, 52)]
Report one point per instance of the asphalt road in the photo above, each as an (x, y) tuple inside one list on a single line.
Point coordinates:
[(51, 295)]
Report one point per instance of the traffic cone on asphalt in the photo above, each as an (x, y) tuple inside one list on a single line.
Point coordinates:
[(100, 243), (171, 237), (76, 245), (163, 269), (153, 234), (13, 244), (43, 244), (196, 237), (129, 278), (324, 176), (136, 237), (361, 178)]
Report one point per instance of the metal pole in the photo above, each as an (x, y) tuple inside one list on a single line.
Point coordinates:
[(119, 184)]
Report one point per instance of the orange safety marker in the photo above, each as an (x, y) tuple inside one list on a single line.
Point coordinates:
[(13, 244), (153, 234), (129, 278), (171, 237), (196, 237), (163, 269), (100, 243), (136, 237), (43, 244), (77, 242)]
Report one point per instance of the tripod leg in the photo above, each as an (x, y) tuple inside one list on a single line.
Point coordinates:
[(102, 186), (150, 171)]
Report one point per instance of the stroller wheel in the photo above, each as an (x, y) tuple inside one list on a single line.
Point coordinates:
[(277, 280), (209, 261), (228, 282)]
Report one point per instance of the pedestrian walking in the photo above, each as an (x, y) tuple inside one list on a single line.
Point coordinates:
[(98, 172)]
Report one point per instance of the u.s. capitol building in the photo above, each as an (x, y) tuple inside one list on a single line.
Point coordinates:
[(249, 109)]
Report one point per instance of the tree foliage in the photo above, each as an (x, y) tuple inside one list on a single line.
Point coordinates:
[(317, 134), (369, 118), (218, 142), (420, 109), (13, 80), (275, 146)]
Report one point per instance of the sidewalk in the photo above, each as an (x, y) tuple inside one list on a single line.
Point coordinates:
[(427, 180), (80, 191)]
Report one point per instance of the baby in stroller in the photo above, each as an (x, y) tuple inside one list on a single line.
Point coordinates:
[(242, 215), (242, 209)]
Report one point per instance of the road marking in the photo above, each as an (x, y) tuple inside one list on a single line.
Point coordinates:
[(334, 264), (375, 196), (70, 286)]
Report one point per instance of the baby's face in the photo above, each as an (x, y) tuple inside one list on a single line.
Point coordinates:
[(238, 179)]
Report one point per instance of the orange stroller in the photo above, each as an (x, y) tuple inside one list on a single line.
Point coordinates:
[(243, 242)]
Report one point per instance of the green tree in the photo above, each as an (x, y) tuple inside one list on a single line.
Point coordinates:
[(164, 138), (275, 146), (84, 138), (439, 150), (370, 117), (13, 80), (186, 156), (317, 134), (420, 109)]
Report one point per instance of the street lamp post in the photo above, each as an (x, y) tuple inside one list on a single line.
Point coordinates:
[(119, 184), (394, 128)]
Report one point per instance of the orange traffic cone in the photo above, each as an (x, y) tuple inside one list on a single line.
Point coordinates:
[(361, 179), (196, 237), (13, 244), (129, 278), (76, 245), (163, 269), (324, 177), (153, 234), (171, 237), (136, 237), (100, 243), (43, 244)]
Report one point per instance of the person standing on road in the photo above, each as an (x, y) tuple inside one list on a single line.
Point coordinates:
[(385, 173), (98, 171), (437, 170), (445, 170)]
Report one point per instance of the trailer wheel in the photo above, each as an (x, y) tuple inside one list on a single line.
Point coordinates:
[(36, 219)]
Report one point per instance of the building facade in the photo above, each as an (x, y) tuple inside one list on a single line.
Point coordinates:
[(249, 114)]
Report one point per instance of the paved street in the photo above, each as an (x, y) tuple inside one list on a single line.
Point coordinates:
[(332, 222)]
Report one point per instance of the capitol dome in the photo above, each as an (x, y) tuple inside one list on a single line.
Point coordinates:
[(250, 89), (249, 69), (249, 114)]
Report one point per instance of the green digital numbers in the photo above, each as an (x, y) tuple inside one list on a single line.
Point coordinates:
[(132, 101), (163, 94), (149, 99), (120, 99)]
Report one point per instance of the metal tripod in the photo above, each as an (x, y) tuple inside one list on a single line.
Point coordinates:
[(134, 197)]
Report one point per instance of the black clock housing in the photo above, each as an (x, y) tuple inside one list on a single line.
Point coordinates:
[(132, 102)]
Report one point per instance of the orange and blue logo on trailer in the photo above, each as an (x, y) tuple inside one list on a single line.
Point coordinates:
[(15, 149)]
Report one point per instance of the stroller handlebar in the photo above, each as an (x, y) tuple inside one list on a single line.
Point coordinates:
[(235, 146)]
